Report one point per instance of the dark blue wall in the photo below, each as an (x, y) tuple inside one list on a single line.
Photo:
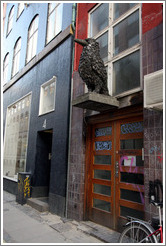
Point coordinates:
[(56, 63)]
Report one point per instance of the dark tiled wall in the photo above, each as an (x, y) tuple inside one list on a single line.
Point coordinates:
[(76, 179), (153, 147), (153, 120)]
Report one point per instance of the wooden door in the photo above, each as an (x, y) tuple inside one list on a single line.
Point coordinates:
[(115, 172)]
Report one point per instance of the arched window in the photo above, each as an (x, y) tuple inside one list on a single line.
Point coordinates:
[(16, 57), (54, 21), (20, 9), (5, 68), (32, 39), (10, 20)]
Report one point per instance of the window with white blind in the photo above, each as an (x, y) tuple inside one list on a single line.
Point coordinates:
[(16, 137), (5, 68), (16, 57), (47, 96), (10, 20), (54, 20), (116, 26), (32, 39), (20, 9)]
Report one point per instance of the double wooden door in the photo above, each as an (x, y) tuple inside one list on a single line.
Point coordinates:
[(115, 173)]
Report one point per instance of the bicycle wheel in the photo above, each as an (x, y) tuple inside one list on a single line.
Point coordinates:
[(136, 233)]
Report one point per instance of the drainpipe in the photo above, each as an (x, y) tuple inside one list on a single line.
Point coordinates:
[(73, 24), (74, 8)]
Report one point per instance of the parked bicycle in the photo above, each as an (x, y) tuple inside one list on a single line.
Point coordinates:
[(139, 231)]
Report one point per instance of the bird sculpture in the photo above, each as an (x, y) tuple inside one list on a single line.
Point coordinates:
[(91, 66)]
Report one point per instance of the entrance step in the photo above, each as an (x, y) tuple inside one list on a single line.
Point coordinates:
[(102, 233), (40, 203)]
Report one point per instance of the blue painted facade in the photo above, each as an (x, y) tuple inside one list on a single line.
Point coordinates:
[(55, 61), (21, 25)]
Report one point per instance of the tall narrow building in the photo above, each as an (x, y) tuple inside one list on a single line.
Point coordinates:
[(37, 55)]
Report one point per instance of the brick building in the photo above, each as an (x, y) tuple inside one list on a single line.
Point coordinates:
[(114, 154)]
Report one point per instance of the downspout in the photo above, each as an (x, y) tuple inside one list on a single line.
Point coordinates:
[(73, 24)]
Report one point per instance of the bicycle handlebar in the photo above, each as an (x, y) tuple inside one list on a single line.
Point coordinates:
[(157, 204), (155, 193)]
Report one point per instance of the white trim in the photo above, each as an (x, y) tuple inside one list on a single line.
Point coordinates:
[(53, 79), (28, 94), (126, 15), (10, 178), (18, 10), (111, 59), (126, 53), (55, 33), (9, 106)]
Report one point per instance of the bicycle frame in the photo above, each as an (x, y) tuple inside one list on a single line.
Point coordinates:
[(157, 232), (142, 231)]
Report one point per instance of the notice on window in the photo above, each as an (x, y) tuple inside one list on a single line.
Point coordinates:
[(130, 161)]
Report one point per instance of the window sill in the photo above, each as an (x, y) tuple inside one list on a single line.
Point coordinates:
[(10, 178), (42, 114), (128, 93)]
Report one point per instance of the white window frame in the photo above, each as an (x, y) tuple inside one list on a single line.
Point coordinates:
[(10, 20), (5, 68), (111, 59), (16, 57), (53, 80), (20, 9), (9, 106), (32, 39), (48, 18)]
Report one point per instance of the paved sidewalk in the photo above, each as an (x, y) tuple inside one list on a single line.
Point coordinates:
[(23, 224)]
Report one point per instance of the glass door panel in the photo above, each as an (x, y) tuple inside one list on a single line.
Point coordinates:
[(116, 172), (101, 172), (130, 177)]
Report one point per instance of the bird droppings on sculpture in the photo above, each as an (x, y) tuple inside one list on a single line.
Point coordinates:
[(91, 66)]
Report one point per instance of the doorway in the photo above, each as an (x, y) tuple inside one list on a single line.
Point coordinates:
[(43, 162), (115, 180)]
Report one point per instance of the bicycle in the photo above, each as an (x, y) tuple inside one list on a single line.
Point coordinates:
[(139, 231)]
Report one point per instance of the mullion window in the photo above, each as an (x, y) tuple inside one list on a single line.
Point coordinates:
[(126, 33), (103, 43), (99, 19), (126, 73), (121, 45), (121, 8)]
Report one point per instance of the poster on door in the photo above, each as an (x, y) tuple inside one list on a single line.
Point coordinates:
[(130, 161)]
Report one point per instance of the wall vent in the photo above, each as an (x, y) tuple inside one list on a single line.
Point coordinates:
[(153, 90)]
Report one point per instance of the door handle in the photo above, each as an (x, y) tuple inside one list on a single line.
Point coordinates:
[(143, 154), (116, 168)]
